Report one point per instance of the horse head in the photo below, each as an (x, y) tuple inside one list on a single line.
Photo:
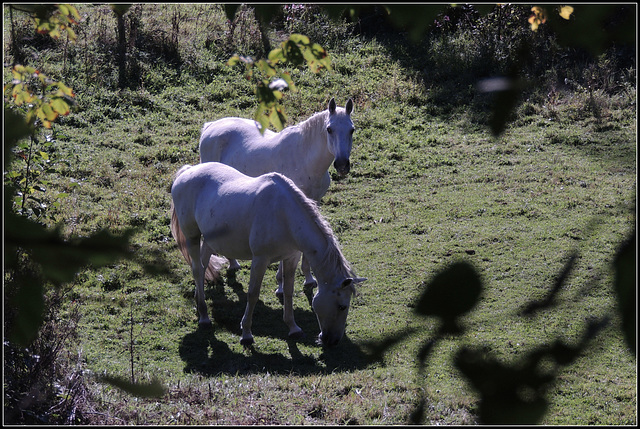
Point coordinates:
[(340, 135), (331, 305)]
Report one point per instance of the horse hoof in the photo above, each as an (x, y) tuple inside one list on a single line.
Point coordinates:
[(297, 336), (280, 296), (246, 342)]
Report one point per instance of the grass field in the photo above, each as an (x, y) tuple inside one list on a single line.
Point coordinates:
[(426, 189)]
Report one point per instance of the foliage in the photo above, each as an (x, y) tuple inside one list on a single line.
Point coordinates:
[(296, 51), (35, 256), (516, 393), (50, 100), (42, 100)]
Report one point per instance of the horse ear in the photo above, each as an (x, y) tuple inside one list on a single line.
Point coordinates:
[(332, 106), (349, 281), (349, 106), (346, 283)]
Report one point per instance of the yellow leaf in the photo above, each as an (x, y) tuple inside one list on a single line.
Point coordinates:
[(566, 11), (233, 60), (48, 112), (539, 17), (60, 106)]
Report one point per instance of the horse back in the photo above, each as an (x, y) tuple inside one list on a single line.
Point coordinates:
[(238, 215), (224, 137)]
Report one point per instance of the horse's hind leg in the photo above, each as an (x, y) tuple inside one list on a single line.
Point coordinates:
[(233, 265), (258, 268), (288, 271), (279, 291), (193, 246)]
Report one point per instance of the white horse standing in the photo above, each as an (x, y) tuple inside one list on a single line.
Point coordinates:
[(302, 152), (217, 210)]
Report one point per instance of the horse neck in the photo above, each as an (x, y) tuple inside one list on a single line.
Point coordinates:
[(315, 131), (321, 248)]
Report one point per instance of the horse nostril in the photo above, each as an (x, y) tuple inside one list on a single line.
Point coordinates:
[(328, 340), (342, 166)]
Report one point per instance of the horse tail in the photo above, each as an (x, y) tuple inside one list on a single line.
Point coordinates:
[(178, 235), (212, 271)]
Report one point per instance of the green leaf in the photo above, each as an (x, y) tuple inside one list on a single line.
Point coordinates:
[(46, 112), (262, 118), (277, 118), (276, 55), (59, 259), (293, 53), (233, 60), (299, 38)]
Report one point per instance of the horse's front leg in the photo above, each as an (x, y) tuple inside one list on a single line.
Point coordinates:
[(258, 268), (289, 266), (198, 270), (309, 281)]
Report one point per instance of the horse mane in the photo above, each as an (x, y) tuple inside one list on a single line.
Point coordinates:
[(316, 122), (333, 255)]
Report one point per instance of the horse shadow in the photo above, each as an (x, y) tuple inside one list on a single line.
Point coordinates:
[(203, 353)]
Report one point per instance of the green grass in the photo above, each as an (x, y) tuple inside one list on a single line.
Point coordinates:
[(425, 190)]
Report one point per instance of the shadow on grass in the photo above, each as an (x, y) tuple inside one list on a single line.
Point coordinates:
[(205, 354)]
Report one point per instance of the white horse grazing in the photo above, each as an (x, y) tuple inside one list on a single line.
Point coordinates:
[(302, 152), (218, 210)]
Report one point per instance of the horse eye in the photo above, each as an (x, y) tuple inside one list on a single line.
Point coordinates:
[(329, 130), (342, 307)]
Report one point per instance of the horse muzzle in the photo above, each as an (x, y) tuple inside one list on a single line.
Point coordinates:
[(342, 166), (328, 340)]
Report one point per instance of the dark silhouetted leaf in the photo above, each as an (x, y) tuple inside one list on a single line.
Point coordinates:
[(120, 8), (515, 393), (59, 259), (414, 18), (549, 300), (377, 349), (509, 394), (450, 294), (626, 287), (425, 350), (417, 415), (27, 301)]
